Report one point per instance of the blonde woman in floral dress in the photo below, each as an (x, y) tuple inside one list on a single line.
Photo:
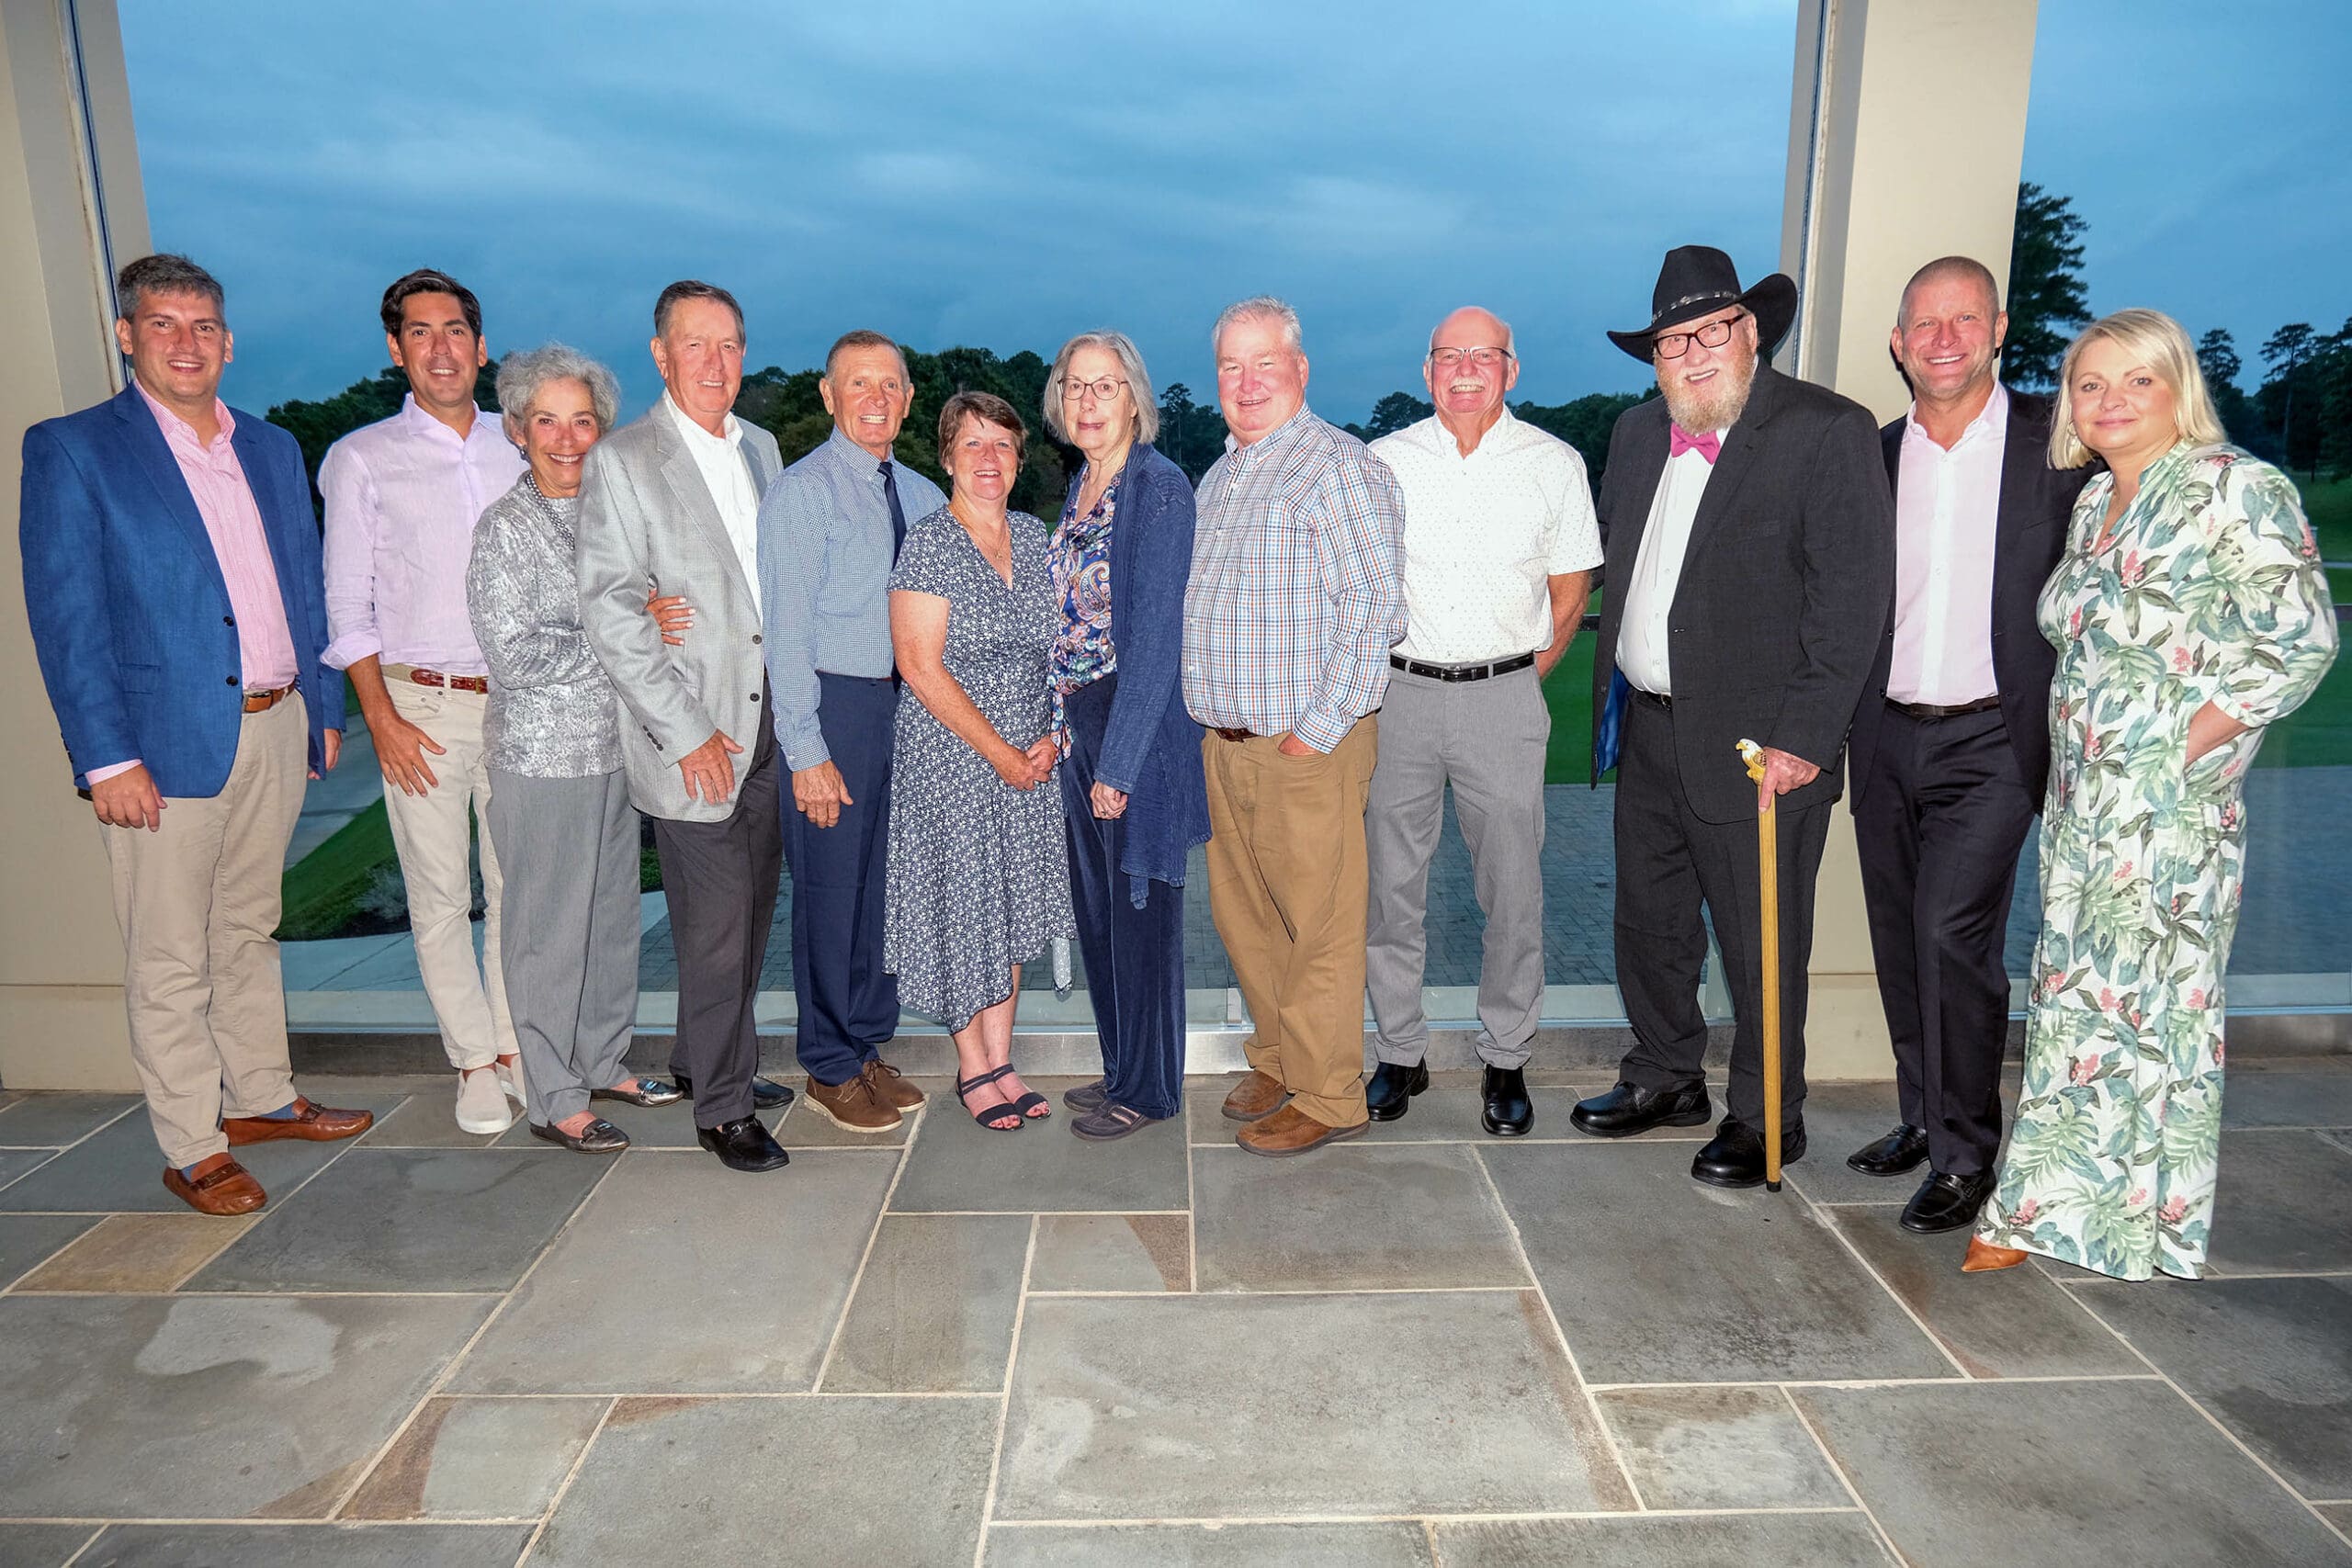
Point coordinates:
[(2189, 611)]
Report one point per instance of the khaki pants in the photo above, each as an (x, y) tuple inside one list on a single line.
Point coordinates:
[(198, 898), (1288, 889), (434, 833)]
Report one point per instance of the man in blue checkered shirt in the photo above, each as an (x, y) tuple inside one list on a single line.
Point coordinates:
[(1294, 602)]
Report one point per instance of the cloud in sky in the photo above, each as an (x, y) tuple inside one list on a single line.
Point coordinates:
[(1005, 178)]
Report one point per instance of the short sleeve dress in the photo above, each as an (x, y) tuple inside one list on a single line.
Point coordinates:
[(978, 876)]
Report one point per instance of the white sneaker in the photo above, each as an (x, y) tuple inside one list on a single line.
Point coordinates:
[(481, 1104), (511, 1081)]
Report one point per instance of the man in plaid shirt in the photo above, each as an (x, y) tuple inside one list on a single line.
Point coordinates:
[(1294, 602)]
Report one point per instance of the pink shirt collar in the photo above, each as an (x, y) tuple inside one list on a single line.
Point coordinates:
[(173, 425)]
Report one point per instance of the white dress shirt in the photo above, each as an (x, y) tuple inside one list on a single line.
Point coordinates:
[(727, 476), (1658, 571), (1484, 534), (1946, 504)]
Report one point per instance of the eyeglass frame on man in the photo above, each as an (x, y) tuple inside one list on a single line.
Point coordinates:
[(1683, 340), (1106, 388), (1446, 358)]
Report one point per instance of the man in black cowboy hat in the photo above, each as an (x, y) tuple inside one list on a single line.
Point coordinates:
[(1750, 536)]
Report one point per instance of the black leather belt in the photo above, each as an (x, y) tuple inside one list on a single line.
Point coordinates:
[(1650, 699), (1930, 710), (1460, 671)]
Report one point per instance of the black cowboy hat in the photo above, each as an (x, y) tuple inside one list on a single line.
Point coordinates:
[(1699, 280)]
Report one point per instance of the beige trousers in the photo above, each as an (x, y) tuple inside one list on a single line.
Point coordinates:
[(198, 898), (1287, 887), (434, 833)]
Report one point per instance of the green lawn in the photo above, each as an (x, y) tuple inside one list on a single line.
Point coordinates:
[(323, 890)]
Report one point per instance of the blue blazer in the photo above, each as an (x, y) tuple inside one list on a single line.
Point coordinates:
[(130, 616), (1151, 747)]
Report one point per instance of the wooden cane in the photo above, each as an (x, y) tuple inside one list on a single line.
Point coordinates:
[(1767, 866)]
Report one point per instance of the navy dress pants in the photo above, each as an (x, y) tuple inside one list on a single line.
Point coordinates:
[(849, 1003), (1134, 958)]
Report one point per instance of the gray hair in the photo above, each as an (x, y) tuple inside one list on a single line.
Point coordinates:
[(163, 274), (1256, 308), (1510, 339), (1130, 358), (522, 377)]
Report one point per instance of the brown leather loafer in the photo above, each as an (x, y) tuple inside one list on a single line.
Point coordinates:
[(889, 1087), (221, 1187), (1291, 1131), (1256, 1095), (1984, 1257), (314, 1123)]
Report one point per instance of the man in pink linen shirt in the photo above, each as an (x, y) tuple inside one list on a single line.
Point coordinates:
[(402, 496), (1951, 745), (172, 586)]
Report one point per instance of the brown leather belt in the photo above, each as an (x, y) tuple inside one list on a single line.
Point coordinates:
[(1461, 671), (1234, 734), (261, 702), (1930, 710), (454, 682)]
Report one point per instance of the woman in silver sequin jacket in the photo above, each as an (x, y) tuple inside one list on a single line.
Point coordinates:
[(559, 818)]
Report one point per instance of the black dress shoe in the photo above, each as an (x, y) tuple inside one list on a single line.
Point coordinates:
[(1735, 1155), (1390, 1093), (767, 1093), (1904, 1149), (1946, 1202), (1629, 1109), (742, 1144), (1507, 1112)]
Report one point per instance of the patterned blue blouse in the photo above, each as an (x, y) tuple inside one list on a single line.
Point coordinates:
[(1080, 554)]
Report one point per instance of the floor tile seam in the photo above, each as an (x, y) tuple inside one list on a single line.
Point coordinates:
[(1192, 1225), (563, 1487), (857, 1275), (450, 1368), (1004, 1405), (136, 1101), (2214, 1421), (306, 1521), (1575, 1368), (59, 1251), (1866, 1384), (1892, 1293), (210, 1258), (1045, 1214), (1465, 1517), (83, 1550), (1490, 1141), (1837, 1468), (2102, 1283), (1429, 1544)]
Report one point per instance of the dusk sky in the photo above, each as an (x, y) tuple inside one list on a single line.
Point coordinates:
[(1005, 175)]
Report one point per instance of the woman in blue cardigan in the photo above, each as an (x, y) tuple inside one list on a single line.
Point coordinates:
[(1133, 799)]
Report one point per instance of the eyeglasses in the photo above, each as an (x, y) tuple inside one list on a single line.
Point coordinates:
[(1106, 390), (1714, 334), (1480, 358)]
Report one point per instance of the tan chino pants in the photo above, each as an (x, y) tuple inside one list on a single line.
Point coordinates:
[(198, 899), (1287, 887)]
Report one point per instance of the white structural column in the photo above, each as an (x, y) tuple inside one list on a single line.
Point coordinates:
[(65, 137), (1906, 130)]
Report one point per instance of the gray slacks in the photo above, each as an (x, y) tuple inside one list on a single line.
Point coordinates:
[(569, 909), (1486, 738)]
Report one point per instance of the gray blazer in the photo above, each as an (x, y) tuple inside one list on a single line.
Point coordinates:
[(647, 522)]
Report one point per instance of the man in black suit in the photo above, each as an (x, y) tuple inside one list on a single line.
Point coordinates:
[(1951, 744), (1749, 541)]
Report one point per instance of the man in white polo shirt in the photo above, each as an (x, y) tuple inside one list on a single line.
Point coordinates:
[(1500, 544)]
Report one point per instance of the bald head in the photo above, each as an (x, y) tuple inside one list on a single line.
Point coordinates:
[(1964, 271), (1947, 337), (1470, 369)]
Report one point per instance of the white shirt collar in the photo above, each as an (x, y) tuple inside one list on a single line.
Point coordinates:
[(1993, 419), (733, 429)]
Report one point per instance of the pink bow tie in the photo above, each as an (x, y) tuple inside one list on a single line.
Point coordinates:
[(1709, 445)]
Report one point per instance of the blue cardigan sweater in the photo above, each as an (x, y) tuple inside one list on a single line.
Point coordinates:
[(1151, 748)]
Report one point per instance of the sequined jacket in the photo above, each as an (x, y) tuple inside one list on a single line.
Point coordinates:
[(552, 710)]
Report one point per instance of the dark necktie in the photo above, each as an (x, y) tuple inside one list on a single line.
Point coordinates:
[(898, 512)]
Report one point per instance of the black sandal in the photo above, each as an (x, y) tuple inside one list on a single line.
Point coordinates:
[(987, 1118)]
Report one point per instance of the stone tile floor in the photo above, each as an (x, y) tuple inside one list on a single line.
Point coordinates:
[(951, 1345)]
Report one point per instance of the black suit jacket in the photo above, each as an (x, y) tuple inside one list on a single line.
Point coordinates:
[(1785, 589), (2029, 535)]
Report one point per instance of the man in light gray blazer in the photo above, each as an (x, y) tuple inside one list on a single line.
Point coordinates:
[(669, 504)]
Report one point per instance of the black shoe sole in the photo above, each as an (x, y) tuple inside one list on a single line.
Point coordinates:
[(1698, 1118), (1505, 1130), (1961, 1220), (1853, 1164), (751, 1168), (1738, 1183)]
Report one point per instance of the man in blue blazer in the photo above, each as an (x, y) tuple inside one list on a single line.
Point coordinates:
[(173, 583)]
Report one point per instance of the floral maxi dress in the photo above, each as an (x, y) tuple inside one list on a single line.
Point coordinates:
[(2209, 591)]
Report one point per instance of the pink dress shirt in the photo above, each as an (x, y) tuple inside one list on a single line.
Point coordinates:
[(402, 497), (1945, 508), (217, 482)]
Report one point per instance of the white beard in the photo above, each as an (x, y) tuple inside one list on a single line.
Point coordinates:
[(1717, 406)]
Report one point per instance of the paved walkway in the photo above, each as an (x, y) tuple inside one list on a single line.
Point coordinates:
[(956, 1346)]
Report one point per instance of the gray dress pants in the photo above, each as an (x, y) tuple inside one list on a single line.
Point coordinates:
[(1486, 738), (569, 909)]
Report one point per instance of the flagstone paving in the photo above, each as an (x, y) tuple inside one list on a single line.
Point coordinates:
[(959, 1347)]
